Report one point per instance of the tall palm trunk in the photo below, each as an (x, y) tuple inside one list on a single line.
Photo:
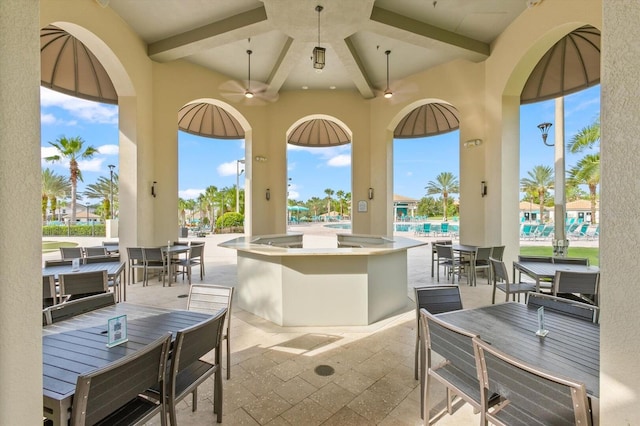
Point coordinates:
[(592, 196), (73, 167)]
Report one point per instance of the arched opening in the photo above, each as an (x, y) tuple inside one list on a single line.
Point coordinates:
[(426, 153), (80, 130), (561, 97), (321, 143), (211, 173)]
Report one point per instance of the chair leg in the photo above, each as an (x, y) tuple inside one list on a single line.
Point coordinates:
[(415, 367), (217, 405), (194, 400), (228, 357)]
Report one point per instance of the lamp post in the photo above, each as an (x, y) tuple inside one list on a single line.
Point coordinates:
[(560, 242), (111, 167), (238, 162)]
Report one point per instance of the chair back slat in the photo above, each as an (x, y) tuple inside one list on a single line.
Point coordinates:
[(95, 251), (576, 282), (541, 259), (209, 299), (571, 260), (104, 391), (567, 307), (499, 269), (483, 254), (153, 254), (531, 393), (101, 259), (135, 254), (497, 252), (194, 342), (79, 284), (63, 311), (48, 287), (452, 343), (71, 252), (438, 299), (444, 251)]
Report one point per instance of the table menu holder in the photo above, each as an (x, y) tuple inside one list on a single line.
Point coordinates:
[(541, 331), (117, 331), (75, 265)]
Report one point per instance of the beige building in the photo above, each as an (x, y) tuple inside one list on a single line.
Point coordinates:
[(486, 94)]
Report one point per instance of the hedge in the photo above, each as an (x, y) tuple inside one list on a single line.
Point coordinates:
[(95, 230)]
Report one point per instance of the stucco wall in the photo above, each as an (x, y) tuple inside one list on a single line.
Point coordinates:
[(20, 318), (620, 237)]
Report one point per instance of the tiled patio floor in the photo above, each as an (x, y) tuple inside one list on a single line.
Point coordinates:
[(274, 378)]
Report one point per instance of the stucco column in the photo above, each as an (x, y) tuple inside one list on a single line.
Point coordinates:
[(620, 236), (20, 217)]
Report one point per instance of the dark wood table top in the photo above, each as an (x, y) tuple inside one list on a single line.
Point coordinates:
[(112, 268), (78, 345), (571, 349), (539, 270)]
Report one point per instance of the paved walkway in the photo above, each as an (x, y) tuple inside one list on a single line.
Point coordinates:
[(273, 378)]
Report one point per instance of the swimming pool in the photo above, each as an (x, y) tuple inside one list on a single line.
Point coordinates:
[(400, 227)]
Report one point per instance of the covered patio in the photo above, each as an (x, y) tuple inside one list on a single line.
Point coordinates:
[(150, 93)]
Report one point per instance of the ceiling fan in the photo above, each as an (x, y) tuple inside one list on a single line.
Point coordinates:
[(249, 92), (394, 91)]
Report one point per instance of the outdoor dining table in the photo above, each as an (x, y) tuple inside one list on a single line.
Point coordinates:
[(468, 250), (171, 252), (114, 269), (76, 346), (547, 270), (570, 349)]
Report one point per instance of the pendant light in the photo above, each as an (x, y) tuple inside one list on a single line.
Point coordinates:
[(387, 92), (248, 93), (318, 52)]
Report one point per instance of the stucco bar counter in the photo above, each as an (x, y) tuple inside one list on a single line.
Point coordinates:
[(360, 280)]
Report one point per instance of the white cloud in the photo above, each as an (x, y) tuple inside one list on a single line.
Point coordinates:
[(228, 169), (291, 166), (47, 119), (340, 161), (92, 112), (409, 173), (190, 194), (109, 149), (93, 165), (293, 195)]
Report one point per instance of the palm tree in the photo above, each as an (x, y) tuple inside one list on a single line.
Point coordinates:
[(587, 172), (54, 186), (72, 149), (446, 183), (539, 182), (101, 190), (210, 196), (314, 204), (347, 200), (586, 138), (340, 195), (329, 193), (182, 211)]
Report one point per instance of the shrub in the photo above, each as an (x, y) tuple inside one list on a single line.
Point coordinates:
[(93, 230), (230, 220)]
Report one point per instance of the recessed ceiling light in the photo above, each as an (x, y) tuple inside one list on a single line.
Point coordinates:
[(332, 87), (305, 87)]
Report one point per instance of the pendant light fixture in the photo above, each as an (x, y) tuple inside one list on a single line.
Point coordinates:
[(387, 92), (318, 52), (248, 93)]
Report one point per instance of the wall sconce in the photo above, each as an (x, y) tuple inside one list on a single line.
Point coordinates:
[(371, 193), (483, 188), (267, 194), (153, 189), (260, 158), (473, 142)]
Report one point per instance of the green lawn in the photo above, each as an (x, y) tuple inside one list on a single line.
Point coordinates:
[(593, 253), (49, 246)]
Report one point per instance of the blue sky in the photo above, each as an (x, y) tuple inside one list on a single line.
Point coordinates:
[(203, 162)]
